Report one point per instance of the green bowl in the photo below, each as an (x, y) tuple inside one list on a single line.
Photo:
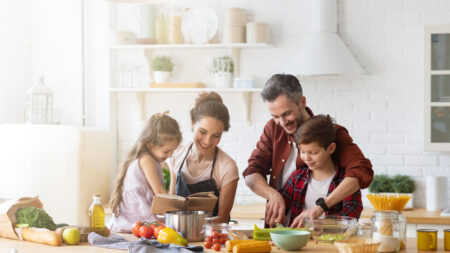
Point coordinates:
[(290, 240)]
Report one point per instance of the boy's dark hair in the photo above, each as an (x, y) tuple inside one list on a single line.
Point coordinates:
[(319, 128), (282, 84)]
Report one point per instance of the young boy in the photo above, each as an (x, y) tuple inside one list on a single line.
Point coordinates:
[(307, 186)]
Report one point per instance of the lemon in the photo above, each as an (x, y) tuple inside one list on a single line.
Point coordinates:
[(71, 235)]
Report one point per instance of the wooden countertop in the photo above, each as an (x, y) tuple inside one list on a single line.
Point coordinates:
[(24, 247), (416, 215)]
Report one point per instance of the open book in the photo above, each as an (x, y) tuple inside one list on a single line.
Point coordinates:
[(200, 201)]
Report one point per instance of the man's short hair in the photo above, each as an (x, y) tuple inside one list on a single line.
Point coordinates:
[(282, 84), (320, 129)]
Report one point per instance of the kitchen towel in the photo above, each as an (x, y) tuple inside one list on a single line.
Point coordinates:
[(436, 193), (115, 241)]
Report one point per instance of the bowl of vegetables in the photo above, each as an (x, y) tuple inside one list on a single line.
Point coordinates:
[(332, 228)]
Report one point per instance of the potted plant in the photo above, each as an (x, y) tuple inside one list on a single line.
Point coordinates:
[(398, 184), (222, 69), (405, 185), (162, 67)]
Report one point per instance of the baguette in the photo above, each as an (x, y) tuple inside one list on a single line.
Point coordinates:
[(41, 235)]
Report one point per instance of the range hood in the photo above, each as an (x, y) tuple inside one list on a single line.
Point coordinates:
[(324, 52)]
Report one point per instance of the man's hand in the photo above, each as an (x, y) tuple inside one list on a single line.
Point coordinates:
[(312, 213), (275, 209)]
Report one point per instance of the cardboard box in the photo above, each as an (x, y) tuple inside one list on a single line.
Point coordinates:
[(200, 201)]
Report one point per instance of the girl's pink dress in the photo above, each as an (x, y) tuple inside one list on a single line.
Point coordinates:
[(137, 198)]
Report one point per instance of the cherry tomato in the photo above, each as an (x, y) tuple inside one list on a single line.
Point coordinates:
[(146, 232), (209, 238), (207, 244), (135, 229), (156, 231), (216, 247), (223, 240), (215, 240), (215, 234), (224, 235)]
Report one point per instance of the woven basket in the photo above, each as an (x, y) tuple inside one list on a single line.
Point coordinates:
[(358, 245)]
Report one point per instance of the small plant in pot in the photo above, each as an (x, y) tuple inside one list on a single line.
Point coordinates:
[(222, 69), (162, 67), (398, 184)]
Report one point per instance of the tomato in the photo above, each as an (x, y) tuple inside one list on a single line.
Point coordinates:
[(209, 238), (216, 247), (156, 231), (223, 240), (146, 232), (215, 240), (215, 234), (207, 244), (135, 229), (224, 235)]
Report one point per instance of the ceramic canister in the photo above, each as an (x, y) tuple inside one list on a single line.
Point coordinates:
[(257, 33)]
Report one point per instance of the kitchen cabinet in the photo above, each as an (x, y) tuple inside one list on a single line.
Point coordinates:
[(437, 88)]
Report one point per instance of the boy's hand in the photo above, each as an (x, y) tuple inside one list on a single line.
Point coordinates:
[(275, 209), (312, 213)]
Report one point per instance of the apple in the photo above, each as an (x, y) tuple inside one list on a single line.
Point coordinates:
[(71, 235)]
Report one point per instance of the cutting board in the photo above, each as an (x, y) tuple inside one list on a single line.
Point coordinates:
[(178, 85)]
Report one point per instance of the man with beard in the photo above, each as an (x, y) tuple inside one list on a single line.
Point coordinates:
[(276, 154)]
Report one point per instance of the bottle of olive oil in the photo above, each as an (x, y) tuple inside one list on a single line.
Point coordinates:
[(96, 216)]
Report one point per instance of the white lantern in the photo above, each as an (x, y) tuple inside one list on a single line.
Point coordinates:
[(40, 104)]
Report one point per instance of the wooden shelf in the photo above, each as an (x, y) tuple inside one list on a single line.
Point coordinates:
[(140, 95), (118, 90), (189, 46)]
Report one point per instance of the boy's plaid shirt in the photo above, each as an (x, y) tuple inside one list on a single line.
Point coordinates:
[(294, 192)]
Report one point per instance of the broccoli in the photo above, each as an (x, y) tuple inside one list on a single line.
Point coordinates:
[(35, 217)]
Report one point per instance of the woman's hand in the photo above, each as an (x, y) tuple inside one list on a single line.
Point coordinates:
[(226, 200)]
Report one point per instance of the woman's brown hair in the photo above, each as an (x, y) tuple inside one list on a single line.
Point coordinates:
[(210, 104), (159, 129)]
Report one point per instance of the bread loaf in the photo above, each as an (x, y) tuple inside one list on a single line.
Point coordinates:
[(41, 235)]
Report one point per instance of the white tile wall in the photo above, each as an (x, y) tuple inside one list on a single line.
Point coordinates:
[(382, 110)]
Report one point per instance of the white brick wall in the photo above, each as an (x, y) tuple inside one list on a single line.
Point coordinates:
[(382, 110)]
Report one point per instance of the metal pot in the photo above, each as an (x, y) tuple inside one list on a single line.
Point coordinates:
[(188, 223)]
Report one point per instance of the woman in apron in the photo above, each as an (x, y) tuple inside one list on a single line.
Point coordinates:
[(200, 165)]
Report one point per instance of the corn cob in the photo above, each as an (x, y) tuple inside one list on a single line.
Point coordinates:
[(252, 247), (231, 243)]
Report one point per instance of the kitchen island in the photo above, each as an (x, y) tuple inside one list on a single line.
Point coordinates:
[(27, 247)]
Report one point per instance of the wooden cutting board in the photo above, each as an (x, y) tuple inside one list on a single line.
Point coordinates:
[(178, 85)]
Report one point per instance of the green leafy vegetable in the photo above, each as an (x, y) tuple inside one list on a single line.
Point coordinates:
[(166, 174), (35, 217)]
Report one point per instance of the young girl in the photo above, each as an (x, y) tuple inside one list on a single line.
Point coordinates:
[(141, 175)]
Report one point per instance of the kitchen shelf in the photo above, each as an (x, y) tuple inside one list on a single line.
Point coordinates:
[(190, 46), (182, 89), (140, 95)]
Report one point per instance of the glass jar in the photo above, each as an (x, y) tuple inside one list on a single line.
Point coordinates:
[(364, 228), (175, 35), (216, 231), (386, 228)]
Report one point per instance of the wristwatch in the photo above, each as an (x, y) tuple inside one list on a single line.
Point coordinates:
[(321, 202)]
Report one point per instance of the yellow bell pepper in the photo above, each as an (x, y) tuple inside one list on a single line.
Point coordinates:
[(168, 235)]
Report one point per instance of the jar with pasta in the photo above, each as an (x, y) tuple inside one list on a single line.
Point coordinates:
[(386, 228), (175, 36)]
